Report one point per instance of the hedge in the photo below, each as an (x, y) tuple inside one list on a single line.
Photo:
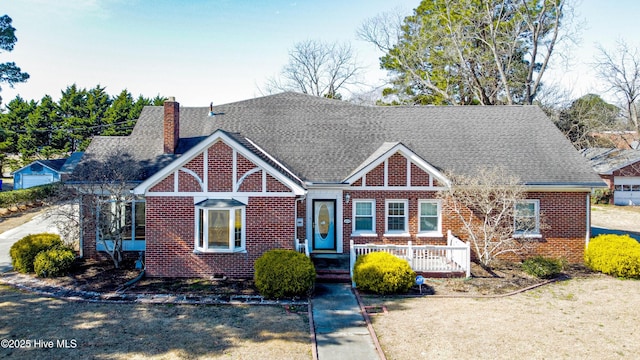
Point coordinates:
[(23, 196)]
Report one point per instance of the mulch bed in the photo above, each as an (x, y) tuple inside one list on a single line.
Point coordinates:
[(102, 277)]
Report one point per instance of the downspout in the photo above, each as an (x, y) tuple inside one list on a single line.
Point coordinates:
[(588, 230), (295, 222), (80, 231)]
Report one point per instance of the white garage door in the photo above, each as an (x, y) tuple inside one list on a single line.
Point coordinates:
[(35, 180), (627, 190)]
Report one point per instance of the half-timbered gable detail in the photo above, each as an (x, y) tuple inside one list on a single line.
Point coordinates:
[(394, 166)]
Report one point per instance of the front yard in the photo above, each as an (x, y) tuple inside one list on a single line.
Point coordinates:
[(137, 331), (584, 318)]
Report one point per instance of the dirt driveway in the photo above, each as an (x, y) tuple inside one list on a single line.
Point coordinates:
[(592, 318)]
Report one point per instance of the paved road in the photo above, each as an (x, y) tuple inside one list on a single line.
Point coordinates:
[(39, 224), (595, 231)]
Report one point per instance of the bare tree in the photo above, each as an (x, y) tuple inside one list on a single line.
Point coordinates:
[(620, 70), (487, 206), (102, 187), (469, 52), (317, 68)]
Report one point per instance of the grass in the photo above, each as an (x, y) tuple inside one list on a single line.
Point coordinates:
[(145, 331)]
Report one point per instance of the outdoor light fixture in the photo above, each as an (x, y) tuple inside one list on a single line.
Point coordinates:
[(347, 197)]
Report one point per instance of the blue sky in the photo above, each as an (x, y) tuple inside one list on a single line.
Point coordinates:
[(221, 50)]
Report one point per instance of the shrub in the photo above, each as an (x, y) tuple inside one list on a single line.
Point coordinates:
[(23, 196), (617, 255), (383, 273), (601, 196), (284, 273), (54, 262), (24, 251), (543, 267)]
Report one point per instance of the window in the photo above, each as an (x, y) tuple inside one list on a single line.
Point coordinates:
[(123, 220), (364, 219), (220, 226), (396, 221), (429, 218), (527, 218)]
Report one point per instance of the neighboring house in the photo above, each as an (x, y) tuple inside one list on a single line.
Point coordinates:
[(221, 186), (42, 172), (620, 169)]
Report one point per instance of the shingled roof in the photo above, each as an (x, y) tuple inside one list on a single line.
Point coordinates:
[(323, 141)]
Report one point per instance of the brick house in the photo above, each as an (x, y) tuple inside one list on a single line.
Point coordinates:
[(222, 185)]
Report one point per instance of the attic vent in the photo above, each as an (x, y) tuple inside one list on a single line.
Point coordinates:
[(212, 113)]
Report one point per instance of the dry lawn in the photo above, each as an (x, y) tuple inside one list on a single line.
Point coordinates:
[(616, 217), (588, 318), (136, 331)]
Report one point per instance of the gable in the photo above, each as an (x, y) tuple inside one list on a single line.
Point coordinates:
[(396, 167), (219, 164)]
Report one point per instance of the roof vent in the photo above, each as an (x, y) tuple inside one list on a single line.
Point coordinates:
[(211, 113)]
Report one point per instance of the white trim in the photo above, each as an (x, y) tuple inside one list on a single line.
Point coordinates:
[(397, 188), (438, 231), (223, 194), (192, 173), (234, 169), (237, 185), (202, 147), (176, 181), (391, 233), (371, 232), (409, 155), (563, 188), (232, 216), (325, 194), (385, 177), (409, 174), (205, 169)]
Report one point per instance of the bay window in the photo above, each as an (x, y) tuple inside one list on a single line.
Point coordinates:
[(220, 225)]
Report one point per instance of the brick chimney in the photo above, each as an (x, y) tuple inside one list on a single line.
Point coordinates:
[(171, 125)]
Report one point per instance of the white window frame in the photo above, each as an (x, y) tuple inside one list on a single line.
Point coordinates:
[(536, 231), (404, 232), (372, 231), (433, 233), (232, 248)]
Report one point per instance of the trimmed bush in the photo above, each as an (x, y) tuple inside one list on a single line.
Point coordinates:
[(24, 251), (284, 273), (543, 267), (383, 273), (54, 262), (617, 255)]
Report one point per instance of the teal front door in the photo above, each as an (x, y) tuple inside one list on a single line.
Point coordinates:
[(324, 225)]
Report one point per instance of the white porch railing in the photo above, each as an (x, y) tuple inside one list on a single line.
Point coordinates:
[(302, 247), (453, 257)]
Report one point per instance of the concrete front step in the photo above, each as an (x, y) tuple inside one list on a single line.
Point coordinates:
[(331, 267)]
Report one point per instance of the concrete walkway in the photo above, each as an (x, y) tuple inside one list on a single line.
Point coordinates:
[(42, 223), (341, 331)]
